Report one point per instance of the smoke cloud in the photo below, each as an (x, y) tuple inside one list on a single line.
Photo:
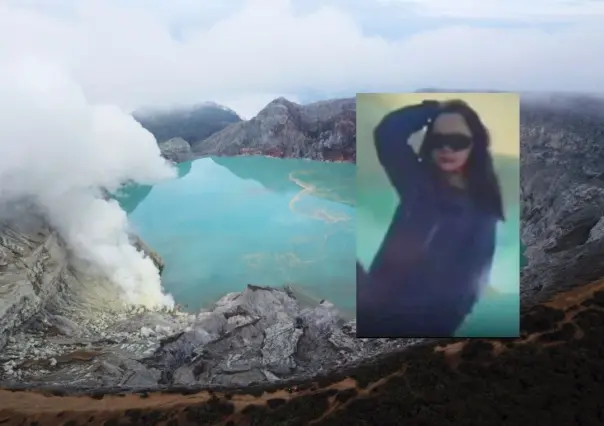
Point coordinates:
[(60, 150)]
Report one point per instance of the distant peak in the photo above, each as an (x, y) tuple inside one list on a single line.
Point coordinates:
[(212, 104), (153, 111), (449, 90), (281, 100), (277, 104)]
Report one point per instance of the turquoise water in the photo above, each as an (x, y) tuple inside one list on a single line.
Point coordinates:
[(497, 313), (229, 222)]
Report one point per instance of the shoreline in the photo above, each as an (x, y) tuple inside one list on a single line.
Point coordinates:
[(195, 157)]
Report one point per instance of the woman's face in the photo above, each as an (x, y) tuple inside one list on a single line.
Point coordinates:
[(453, 142)]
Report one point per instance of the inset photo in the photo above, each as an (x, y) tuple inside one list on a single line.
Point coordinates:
[(438, 215)]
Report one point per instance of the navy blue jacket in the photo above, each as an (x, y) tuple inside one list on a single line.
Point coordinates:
[(437, 253)]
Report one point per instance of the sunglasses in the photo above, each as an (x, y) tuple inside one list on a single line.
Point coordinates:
[(453, 142)]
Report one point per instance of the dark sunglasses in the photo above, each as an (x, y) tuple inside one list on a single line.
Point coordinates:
[(453, 142)]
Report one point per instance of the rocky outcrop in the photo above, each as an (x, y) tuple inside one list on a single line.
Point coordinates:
[(263, 335), (142, 246), (320, 131), (36, 272), (33, 266), (176, 149), (562, 183), (259, 335)]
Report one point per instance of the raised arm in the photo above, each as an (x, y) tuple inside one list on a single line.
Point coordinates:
[(391, 138)]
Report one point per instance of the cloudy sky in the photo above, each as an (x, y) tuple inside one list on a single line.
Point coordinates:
[(135, 53)]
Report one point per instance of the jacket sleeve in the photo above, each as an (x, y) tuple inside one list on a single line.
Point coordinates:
[(391, 138)]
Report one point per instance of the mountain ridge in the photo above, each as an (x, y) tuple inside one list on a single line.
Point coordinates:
[(323, 130)]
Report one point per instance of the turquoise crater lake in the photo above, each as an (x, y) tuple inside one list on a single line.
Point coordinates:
[(231, 221)]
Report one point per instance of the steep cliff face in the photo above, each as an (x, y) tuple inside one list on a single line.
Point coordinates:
[(36, 271), (562, 183), (33, 266), (320, 131)]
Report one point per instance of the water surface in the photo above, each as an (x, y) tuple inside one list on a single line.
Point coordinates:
[(228, 222)]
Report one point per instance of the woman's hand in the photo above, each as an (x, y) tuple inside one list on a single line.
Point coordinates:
[(453, 103), (431, 103)]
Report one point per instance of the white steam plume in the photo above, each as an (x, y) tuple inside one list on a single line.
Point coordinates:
[(60, 150)]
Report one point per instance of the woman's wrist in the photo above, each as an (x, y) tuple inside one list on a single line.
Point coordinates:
[(431, 103), (433, 106)]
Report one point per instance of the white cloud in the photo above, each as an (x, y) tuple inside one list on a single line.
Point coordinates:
[(505, 10), (124, 52)]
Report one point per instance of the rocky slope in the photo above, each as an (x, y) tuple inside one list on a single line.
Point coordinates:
[(549, 375), (191, 124), (259, 335), (32, 265), (562, 183), (36, 272), (321, 131)]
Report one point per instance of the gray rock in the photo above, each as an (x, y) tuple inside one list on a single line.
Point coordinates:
[(35, 267), (66, 326), (142, 246), (562, 184), (597, 232), (176, 149), (212, 323), (279, 346), (274, 339), (183, 376)]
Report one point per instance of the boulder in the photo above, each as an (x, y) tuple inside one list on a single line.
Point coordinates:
[(176, 149)]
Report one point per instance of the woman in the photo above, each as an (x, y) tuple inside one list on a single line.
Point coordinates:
[(436, 256)]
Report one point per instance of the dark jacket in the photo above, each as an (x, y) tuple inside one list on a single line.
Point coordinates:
[(437, 253)]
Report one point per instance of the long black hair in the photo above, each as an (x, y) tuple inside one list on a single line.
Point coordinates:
[(482, 181)]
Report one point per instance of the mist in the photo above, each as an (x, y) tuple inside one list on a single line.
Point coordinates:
[(59, 150)]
